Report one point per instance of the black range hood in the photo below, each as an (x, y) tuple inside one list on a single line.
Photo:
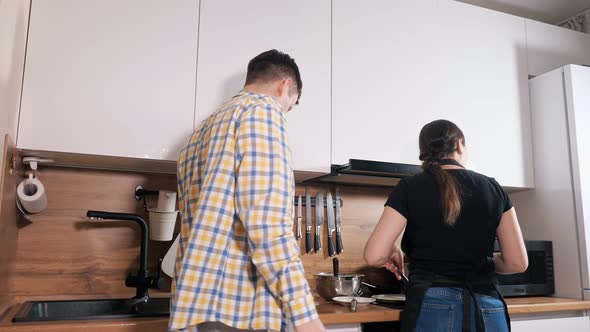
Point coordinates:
[(368, 172)]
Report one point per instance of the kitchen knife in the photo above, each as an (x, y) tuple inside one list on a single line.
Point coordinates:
[(298, 225), (308, 245), (331, 224), (293, 215), (319, 220), (339, 247)]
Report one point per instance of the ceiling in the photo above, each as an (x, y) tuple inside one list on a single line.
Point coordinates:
[(549, 11)]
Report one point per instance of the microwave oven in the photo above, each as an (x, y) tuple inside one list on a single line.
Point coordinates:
[(538, 279)]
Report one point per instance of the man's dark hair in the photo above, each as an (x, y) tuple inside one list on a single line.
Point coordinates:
[(272, 65)]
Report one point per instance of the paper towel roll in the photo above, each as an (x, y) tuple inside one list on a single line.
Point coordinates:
[(31, 195), (167, 201)]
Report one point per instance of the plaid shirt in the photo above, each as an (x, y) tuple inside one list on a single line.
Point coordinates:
[(238, 261)]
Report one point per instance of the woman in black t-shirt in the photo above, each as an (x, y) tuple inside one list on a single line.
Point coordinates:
[(451, 216)]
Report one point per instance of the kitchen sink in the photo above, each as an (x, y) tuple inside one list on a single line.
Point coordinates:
[(35, 311)]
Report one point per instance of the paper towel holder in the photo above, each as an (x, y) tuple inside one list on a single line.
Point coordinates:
[(140, 193), (34, 163)]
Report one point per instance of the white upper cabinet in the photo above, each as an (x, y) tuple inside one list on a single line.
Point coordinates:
[(14, 18), (551, 47), (110, 77), (232, 32), (384, 65), (399, 65), (484, 89)]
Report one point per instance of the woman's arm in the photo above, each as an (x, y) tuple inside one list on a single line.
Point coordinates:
[(513, 258), (381, 245)]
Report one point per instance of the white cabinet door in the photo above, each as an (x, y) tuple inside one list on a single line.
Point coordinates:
[(551, 47), (232, 32), (14, 17), (570, 324), (383, 60), (110, 77), (399, 65), (484, 89)]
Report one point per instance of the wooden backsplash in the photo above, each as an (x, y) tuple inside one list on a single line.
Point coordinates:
[(8, 225), (62, 254)]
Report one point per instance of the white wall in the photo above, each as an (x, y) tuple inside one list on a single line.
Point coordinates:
[(14, 17)]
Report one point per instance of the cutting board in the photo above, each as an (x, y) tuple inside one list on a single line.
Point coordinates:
[(170, 258)]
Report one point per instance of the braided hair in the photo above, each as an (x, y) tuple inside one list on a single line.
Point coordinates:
[(437, 140)]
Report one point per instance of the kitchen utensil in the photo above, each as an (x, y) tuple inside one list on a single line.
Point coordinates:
[(319, 221), (345, 284), (339, 247), (390, 298), (331, 224), (166, 201), (170, 258), (359, 299), (293, 218), (308, 244), (405, 282), (161, 224), (372, 289), (299, 215), (335, 266), (378, 289)]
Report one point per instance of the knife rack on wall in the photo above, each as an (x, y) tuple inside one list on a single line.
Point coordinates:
[(360, 214), (313, 203)]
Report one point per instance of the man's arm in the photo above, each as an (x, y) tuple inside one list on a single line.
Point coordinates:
[(263, 185)]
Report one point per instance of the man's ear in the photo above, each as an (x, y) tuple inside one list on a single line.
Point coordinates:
[(283, 87)]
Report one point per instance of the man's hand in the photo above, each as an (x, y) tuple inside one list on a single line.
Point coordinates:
[(312, 326)]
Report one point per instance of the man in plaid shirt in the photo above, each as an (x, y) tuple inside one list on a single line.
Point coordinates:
[(238, 265)]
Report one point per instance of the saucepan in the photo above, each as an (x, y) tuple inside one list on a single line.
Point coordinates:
[(334, 284)]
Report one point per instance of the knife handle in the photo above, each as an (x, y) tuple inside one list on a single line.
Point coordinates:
[(339, 247), (318, 241), (331, 250), (308, 247), (298, 235)]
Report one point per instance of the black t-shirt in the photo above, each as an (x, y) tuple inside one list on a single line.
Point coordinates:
[(432, 245)]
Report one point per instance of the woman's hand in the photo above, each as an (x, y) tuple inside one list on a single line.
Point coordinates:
[(396, 264)]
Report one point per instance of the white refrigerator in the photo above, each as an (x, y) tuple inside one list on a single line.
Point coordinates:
[(558, 209)]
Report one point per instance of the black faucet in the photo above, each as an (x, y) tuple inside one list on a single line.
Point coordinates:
[(142, 281)]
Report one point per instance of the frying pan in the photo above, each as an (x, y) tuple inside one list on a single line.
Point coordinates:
[(390, 298), (398, 299)]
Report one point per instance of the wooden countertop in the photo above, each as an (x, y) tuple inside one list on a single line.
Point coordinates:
[(336, 313), (528, 305), (330, 313)]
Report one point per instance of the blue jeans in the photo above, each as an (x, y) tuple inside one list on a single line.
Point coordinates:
[(442, 311)]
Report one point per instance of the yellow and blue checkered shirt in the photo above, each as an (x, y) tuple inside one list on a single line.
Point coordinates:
[(238, 261)]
